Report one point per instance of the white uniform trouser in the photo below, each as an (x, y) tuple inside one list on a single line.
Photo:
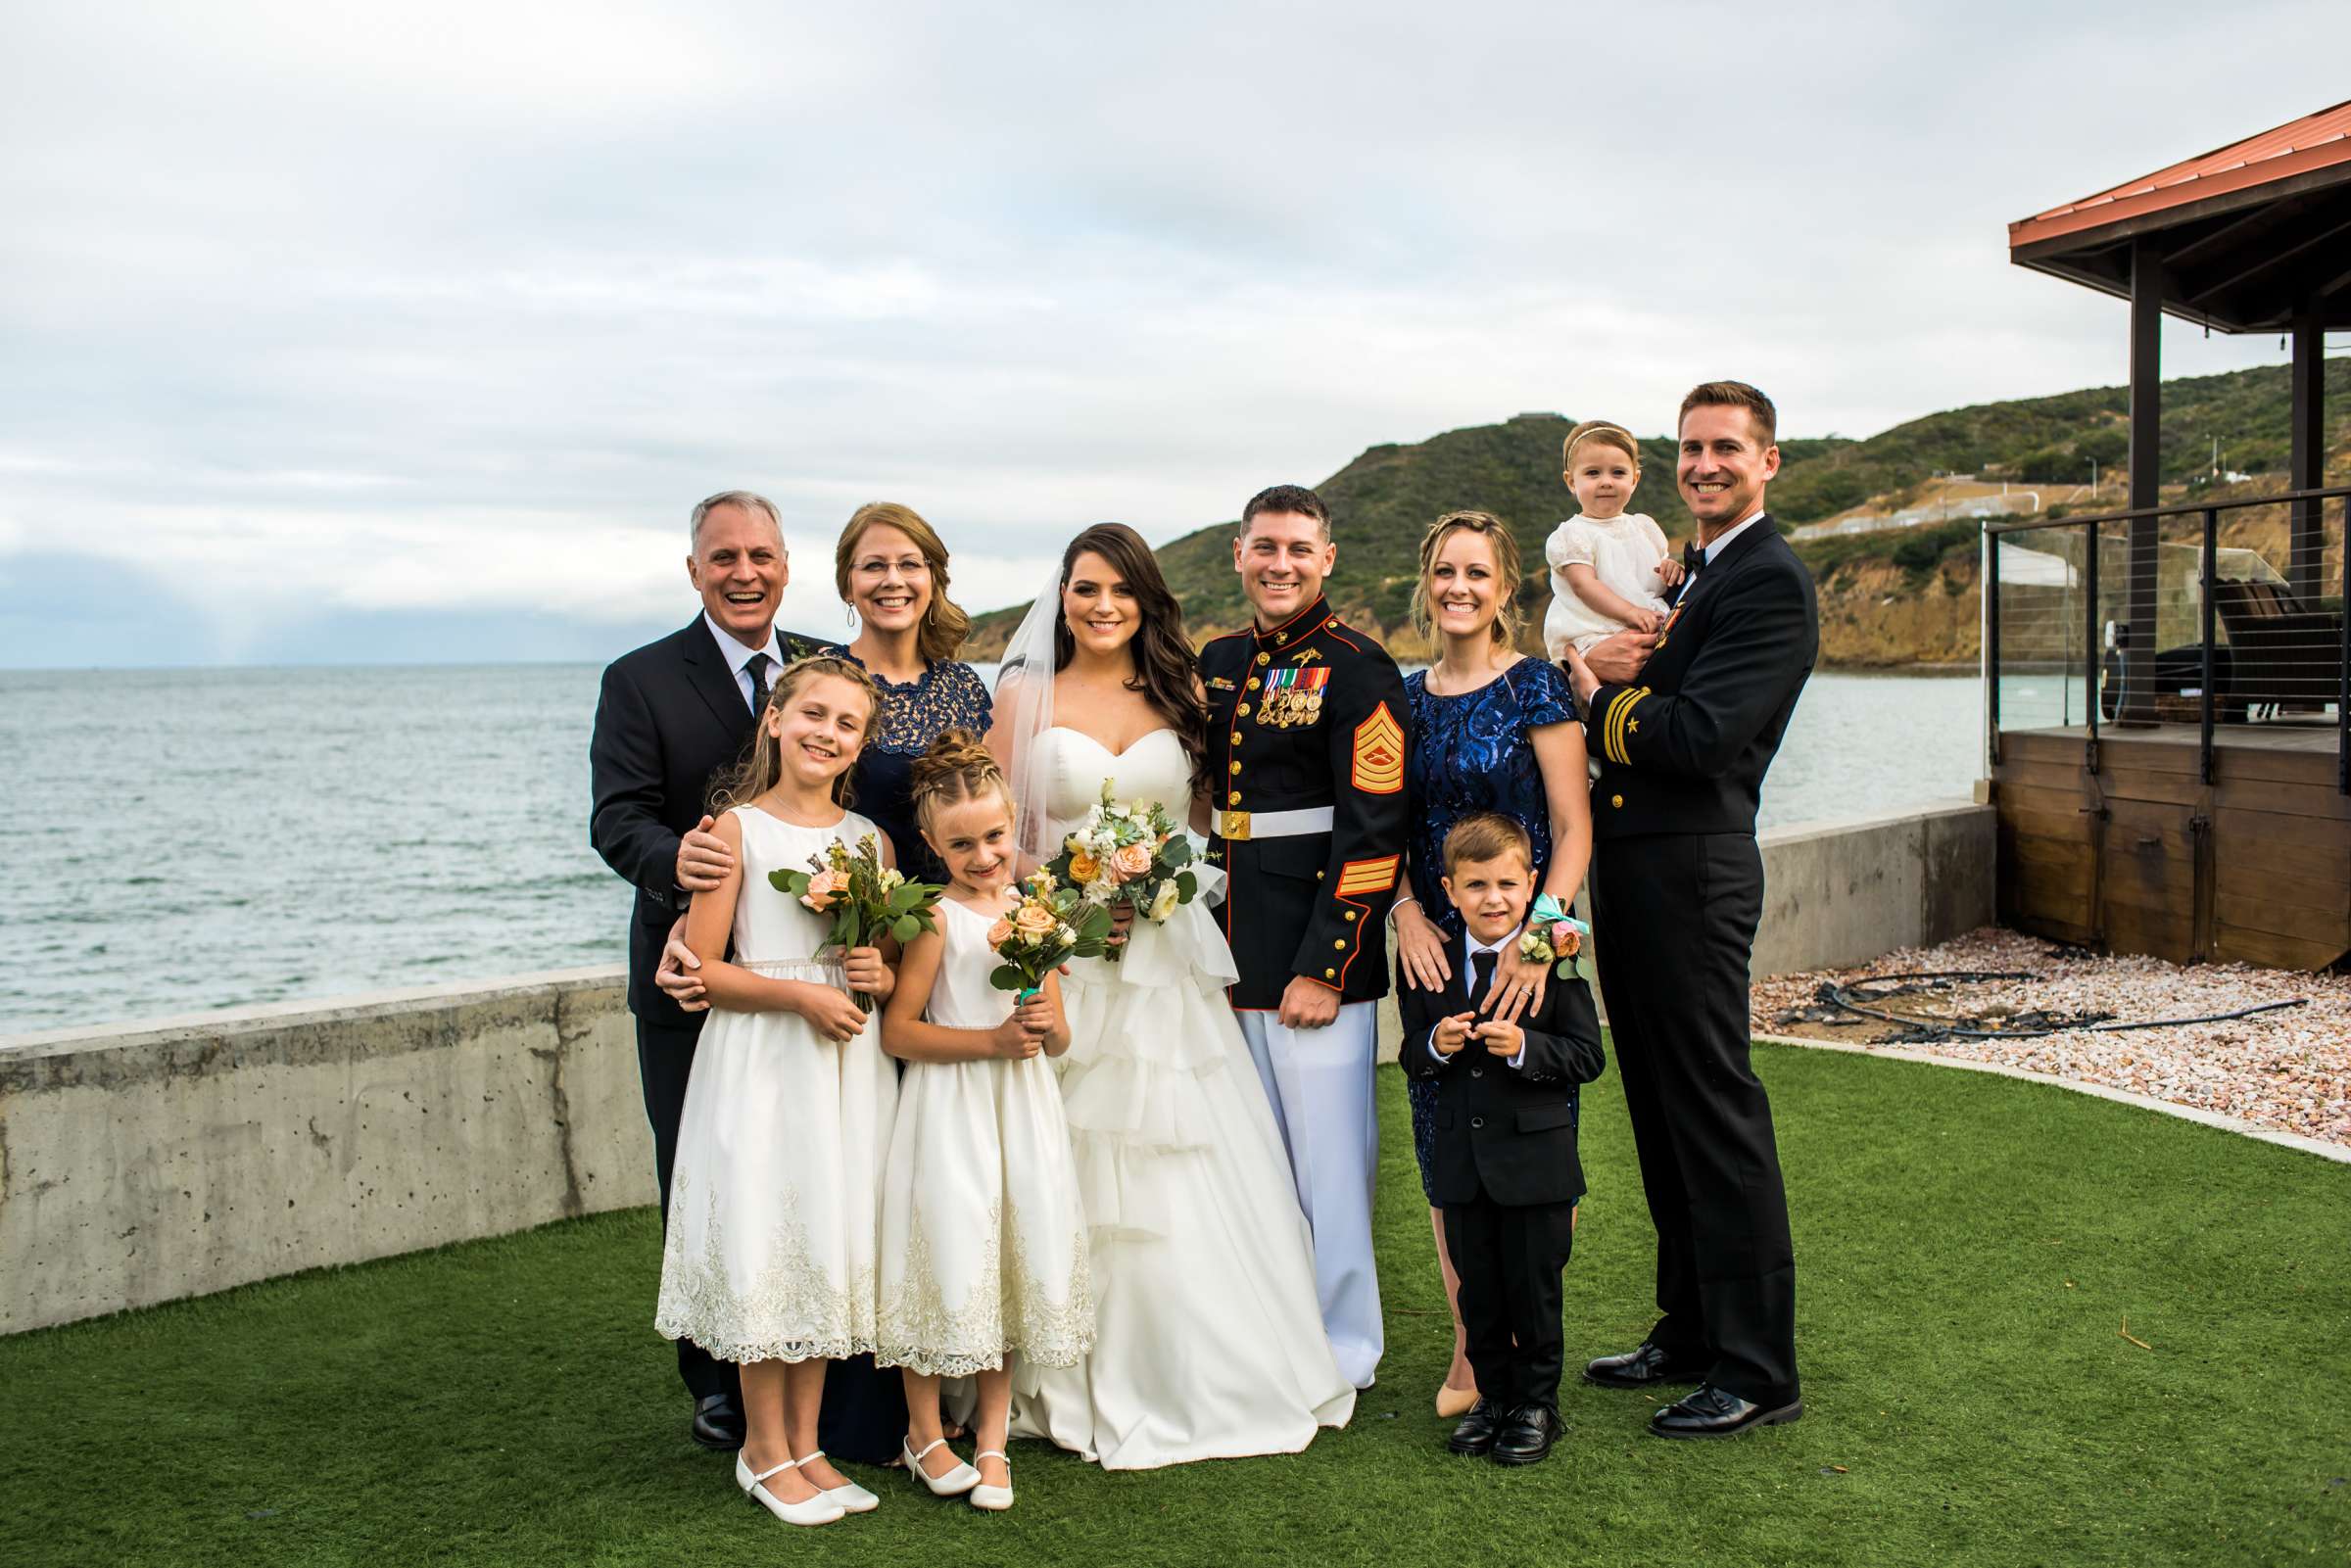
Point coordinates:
[(1319, 1083)]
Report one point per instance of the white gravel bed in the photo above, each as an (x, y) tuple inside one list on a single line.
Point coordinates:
[(2288, 1070)]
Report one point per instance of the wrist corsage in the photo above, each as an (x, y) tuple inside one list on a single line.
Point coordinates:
[(1554, 936)]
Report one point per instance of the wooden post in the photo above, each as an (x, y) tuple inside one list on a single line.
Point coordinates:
[(2307, 467), (2146, 481)]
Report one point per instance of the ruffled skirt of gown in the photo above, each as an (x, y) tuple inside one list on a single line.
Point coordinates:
[(1208, 1336)]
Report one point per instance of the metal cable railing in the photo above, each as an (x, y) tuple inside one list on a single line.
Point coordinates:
[(2222, 614)]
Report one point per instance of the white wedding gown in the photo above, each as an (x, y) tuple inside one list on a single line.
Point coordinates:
[(1208, 1339)]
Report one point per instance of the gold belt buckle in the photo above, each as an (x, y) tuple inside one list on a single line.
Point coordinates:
[(1234, 826)]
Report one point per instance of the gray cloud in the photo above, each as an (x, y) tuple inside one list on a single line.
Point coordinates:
[(321, 315)]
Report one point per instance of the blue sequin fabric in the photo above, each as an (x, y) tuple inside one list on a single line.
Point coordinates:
[(947, 695), (1466, 755)]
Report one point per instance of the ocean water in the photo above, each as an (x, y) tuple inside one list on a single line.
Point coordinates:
[(173, 842)]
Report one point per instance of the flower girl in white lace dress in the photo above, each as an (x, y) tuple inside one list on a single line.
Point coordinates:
[(769, 1258), (983, 1248)]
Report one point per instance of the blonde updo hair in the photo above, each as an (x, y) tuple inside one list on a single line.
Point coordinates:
[(944, 624), (759, 770), (1605, 432), (958, 767), (1506, 571)]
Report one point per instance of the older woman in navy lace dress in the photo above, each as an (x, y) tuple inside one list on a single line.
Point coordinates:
[(891, 569), (1490, 730)]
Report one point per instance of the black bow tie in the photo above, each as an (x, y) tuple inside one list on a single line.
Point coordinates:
[(1694, 556)]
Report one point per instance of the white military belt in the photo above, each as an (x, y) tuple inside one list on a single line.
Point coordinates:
[(1238, 827)]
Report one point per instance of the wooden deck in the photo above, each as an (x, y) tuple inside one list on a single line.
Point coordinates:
[(2143, 856)]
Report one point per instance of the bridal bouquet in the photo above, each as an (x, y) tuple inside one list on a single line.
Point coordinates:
[(866, 899), (1553, 936), (1050, 926), (1128, 854)]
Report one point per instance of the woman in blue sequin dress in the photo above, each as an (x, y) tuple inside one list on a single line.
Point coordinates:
[(1489, 729)]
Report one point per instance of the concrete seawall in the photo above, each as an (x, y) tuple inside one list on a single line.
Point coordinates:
[(144, 1164)]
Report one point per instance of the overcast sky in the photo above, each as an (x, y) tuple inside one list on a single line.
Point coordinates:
[(351, 332)]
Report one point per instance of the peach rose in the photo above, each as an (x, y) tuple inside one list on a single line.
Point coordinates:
[(1083, 867), (1034, 920), (1129, 861), (822, 890), (999, 934), (1567, 940)]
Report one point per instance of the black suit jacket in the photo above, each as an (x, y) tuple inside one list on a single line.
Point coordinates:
[(669, 719), (1505, 1134), (1684, 750)]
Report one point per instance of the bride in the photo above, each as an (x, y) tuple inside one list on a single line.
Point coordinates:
[(1209, 1341)]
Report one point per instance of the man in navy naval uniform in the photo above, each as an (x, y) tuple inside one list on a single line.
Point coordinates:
[(1305, 746), (1685, 723), (671, 716)]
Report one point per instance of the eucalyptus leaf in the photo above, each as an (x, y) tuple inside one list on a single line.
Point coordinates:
[(1188, 884), (905, 927)]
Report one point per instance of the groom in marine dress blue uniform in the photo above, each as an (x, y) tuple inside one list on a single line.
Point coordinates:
[(1306, 752)]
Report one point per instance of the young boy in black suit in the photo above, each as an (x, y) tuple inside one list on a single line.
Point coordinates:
[(1505, 1170)]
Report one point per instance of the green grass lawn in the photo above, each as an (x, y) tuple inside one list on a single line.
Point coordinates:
[(1968, 1248)]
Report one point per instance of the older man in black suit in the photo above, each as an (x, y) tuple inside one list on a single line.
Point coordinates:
[(671, 716), (1685, 722)]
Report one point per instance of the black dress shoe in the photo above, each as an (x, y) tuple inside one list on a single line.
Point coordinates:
[(1713, 1412), (1644, 1368), (1476, 1433), (1528, 1435), (717, 1422)]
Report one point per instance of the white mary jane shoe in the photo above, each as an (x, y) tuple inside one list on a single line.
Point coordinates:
[(954, 1484), (820, 1510), (995, 1499), (852, 1498)]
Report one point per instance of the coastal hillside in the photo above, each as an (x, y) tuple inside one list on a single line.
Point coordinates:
[(1897, 597)]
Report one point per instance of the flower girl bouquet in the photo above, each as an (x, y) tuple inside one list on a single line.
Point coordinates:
[(1050, 926), (1128, 854), (1553, 936), (866, 899)]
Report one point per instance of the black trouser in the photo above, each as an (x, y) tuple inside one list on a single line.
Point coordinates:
[(1509, 1256), (1673, 918), (665, 1064)]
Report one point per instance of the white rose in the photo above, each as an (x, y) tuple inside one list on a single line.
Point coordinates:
[(1164, 902), (1065, 933)]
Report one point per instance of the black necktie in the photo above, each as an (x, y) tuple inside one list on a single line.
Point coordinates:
[(1481, 977), (756, 667)]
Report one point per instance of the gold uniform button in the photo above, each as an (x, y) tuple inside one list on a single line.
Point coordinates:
[(1331, 975), (1241, 712), (1262, 659), (1351, 916), (1237, 768), (1252, 683), (1280, 637), (1340, 944), (1237, 734), (1317, 876), (1615, 800)]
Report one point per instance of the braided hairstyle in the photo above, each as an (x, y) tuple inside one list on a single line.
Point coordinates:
[(957, 768)]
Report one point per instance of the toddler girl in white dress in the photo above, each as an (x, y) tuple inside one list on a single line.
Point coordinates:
[(984, 1245), (1609, 568), (768, 1259)]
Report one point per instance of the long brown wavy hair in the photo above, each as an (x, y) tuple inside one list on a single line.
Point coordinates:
[(763, 764), (1167, 672), (944, 624)]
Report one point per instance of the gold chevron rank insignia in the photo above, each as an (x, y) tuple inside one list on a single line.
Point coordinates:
[(1359, 877), (1380, 753)]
